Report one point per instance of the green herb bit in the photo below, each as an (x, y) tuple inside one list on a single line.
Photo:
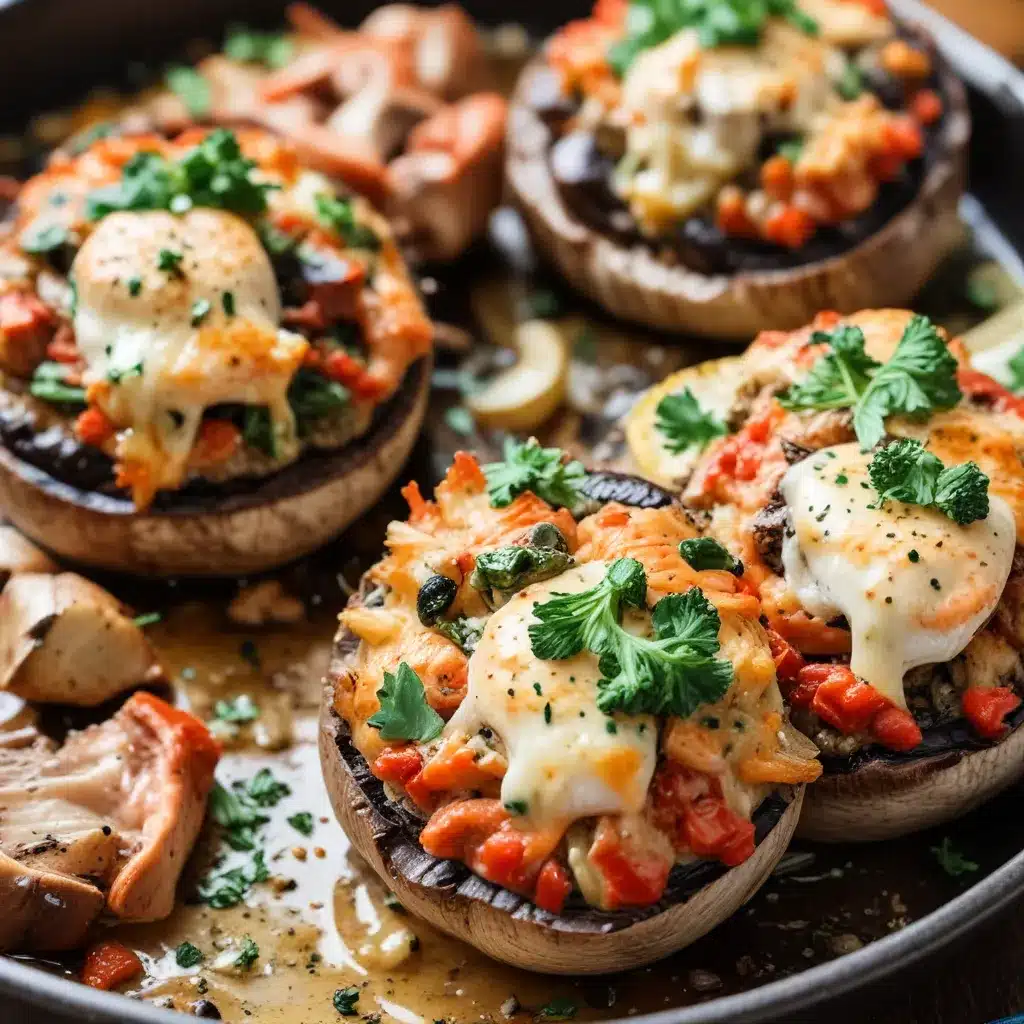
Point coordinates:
[(48, 383), (250, 653), (313, 396), (200, 311), (851, 82), (517, 807), (116, 375), (272, 49), (1016, 369), (134, 286), (529, 467), (404, 712), (559, 1008), (187, 955), (227, 303), (266, 791), (460, 419), (258, 430), (229, 888), (918, 380), (302, 822), (684, 425), (791, 150), (41, 241), (951, 860), (339, 215), (906, 471), (239, 710), (543, 304), (706, 553), (169, 261), (345, 1000), (236, 816), (149, 619), (191, 88), (248, 954), (508, 570)]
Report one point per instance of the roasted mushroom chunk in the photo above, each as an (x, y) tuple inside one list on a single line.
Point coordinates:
[(108, 819), (65, 640)]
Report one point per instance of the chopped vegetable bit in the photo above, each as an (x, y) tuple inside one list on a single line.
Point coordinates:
[(149, 619), (460, 419), (683, 424), (559, 1008), (906, 471), (302, 822), (239, 709), (272, 49), (214, 174), (404, 712), (169, 261), (1016, 368), (706, 553), (248, 954), (265, 790), (48, 383), (190, 87), (529, 467), (229, 888), (187, 955), (200, 311), (338, 215), (258, 430), (672, 674), (918, 380), (345, 1000), (951, 860)]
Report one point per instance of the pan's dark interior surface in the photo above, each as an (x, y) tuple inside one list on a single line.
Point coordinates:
[(828, 900)]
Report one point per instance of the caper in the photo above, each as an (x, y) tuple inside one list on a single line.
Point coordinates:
[(435, 597)]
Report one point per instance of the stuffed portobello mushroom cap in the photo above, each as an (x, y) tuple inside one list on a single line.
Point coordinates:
[(692, 182), (927, 609), (213, 358), (575, 935)]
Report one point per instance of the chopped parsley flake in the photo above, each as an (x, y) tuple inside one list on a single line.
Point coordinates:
[(248, 954), (951, 860), (302, 822), (187, 955), (345, 1000), (200, 311)]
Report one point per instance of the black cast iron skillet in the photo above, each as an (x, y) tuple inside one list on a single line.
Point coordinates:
[(51, 51)]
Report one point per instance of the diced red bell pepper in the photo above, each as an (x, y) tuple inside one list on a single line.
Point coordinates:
[(847, 703), (630, 878), (108, 964), (553, 887), (788, 660), (985, 707), (896, 729)]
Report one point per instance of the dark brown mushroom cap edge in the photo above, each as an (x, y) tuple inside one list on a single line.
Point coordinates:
[(500, 923), (258, 527), (885, 269)]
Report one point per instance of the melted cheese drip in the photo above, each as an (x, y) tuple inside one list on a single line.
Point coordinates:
[(153, 370), (843, 558), (573, 767)]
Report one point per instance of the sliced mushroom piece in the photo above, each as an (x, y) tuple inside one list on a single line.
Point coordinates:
[(19, 555), (110, 816), (448, 181), (65, 640), (528, 392)]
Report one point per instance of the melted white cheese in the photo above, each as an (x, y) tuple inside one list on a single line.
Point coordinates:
[(913, 585), (158, 364), (573, 766)]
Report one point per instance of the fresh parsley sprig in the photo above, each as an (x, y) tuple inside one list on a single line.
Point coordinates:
[(906, 471), (671, 674), (212, 174), (684, 424), (529, 467), (404, 712), (918, 380)]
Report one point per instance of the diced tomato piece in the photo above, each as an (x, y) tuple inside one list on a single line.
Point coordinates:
[(397, 764), (731, 215), (456, 829), (788, 660), (896, 729), (309, 316), (553, 887), (26, 327), (110, 963), (63, 348), (342, 367), (903, 138), (500, 857), (789, 226), (985, 707), (981, 386), (632, 876), (926, 106), (94, 427), (777, 178), (216, 442), (844, 701)]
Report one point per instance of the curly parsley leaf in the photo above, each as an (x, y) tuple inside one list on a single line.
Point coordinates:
[(570, 623), (674, 673), (248, 954), (906, 471), (951, 860), (187, 955), (191, 88), (918, 380), (706, 553), (229, 888), (404, 712), (266, 791), (529, 467), (302, 821), (214, 174), (345, 1000), (339, 215), (684, 424)]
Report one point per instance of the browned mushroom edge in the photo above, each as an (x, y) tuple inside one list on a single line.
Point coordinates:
[(625, 276)]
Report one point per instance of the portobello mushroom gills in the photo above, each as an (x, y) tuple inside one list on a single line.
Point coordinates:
[(105, 822)]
